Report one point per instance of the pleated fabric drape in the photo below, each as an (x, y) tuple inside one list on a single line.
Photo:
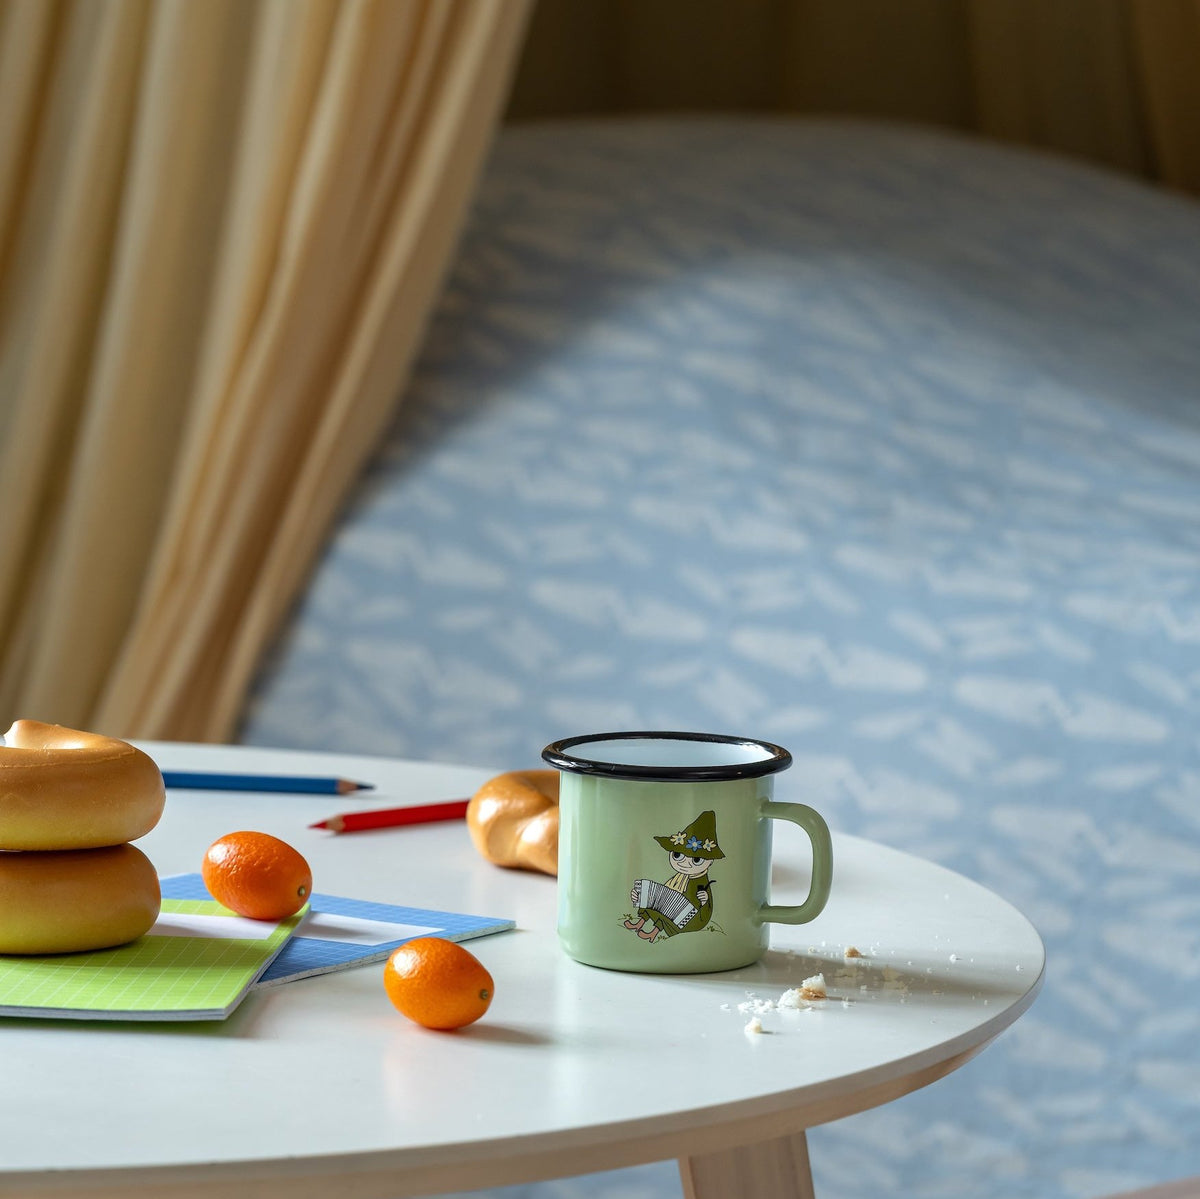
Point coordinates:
[(222, 228)]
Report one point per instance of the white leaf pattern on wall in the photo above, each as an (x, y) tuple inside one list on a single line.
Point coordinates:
[(877, 442)]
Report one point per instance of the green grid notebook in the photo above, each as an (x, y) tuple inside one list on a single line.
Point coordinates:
[(197, 963)]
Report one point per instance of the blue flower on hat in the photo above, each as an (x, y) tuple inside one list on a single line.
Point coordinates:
[(698, 839)]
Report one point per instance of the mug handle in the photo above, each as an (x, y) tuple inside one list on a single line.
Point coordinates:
[(822, 865)]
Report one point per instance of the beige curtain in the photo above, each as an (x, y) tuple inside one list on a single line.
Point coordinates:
[(222, 226), (1113, 81)]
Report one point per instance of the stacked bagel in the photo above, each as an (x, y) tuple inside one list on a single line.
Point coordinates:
[(70, 803)]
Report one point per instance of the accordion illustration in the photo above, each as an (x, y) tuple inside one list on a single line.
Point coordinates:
[(673, 904)]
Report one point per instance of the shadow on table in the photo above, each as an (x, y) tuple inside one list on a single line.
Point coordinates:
[(852, 980)]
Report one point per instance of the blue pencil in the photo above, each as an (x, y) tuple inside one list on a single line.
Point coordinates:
[(199, 781)]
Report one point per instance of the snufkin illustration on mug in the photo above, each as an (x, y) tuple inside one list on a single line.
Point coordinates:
[(682, 903), (705, 800)]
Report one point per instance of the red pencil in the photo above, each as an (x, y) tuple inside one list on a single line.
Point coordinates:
[(352, 822)]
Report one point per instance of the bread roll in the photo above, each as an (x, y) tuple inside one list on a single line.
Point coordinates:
[(68, 900), (63, 789), (513, 820)]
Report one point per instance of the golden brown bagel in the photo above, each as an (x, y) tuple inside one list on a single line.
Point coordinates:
[(63, 789), (74, 899), (513, 820)]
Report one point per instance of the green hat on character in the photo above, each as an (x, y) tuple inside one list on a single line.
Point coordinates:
[(698, 840)]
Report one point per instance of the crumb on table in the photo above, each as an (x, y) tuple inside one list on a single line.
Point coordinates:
[(813, 987)]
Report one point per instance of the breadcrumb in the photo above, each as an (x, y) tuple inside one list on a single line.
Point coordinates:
[(813, 987), (755, 1006)]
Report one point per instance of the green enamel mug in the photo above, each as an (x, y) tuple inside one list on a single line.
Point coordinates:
[(664, 850)]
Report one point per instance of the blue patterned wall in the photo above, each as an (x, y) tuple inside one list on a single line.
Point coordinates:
[(877, 443)]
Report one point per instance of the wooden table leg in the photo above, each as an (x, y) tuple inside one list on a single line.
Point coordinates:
[(776, 1169)]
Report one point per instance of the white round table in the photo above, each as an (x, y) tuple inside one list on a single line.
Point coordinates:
[(321, 1084)]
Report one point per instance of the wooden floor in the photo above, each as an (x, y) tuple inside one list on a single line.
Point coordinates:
[(1185, 1188)]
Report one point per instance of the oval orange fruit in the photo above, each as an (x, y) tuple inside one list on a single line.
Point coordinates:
[(256, 875), (437, 983)]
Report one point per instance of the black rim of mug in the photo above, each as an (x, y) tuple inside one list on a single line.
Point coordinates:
[(560, 755)]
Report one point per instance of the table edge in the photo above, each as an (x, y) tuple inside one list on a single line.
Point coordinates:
[(400, 1173)]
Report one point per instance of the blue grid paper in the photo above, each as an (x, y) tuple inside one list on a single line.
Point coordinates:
[(304, 956)]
